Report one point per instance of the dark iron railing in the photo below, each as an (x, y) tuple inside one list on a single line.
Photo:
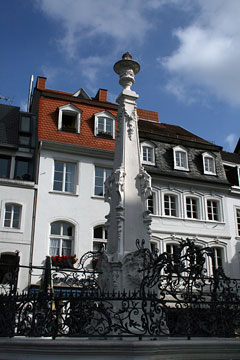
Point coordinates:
[(176, 298)]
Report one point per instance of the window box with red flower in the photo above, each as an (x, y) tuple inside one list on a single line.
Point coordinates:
[(64, 261)]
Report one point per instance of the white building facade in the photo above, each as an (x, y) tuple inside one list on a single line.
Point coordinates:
[(62, 206)]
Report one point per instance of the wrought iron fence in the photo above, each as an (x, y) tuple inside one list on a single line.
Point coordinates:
[(176, 298)]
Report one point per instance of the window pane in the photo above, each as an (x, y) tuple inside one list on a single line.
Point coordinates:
[(67, 229), (57, 185), (147, 154), (100, 124), (238, 221), (5, 166), (16, 217), (54, 247), (98, 191), (150, 204), (99, 171), (7, 222), (98, 232), (25, 124), (68, 122), (209, 164), (66, 247), (213, 210), (170, 205), (69, 177), (219, 258), (58, 166), (22, 168), (56, 228), (109, 126), (24, 140), (99, 181), (58, 176)]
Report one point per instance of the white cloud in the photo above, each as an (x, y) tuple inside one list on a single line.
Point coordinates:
[(231, 140), (208, 55), (122, 21), (175, 87)]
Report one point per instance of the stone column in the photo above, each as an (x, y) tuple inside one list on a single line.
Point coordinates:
[(126, 190)]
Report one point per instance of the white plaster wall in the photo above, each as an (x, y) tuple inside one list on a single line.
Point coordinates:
[(86, 211), (210, 233), (82, 209), (12, 240), (233, 202)]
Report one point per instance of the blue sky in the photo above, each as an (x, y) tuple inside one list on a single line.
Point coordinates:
[(189, 52)]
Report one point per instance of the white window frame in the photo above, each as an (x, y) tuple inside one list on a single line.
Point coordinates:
[(237, 209), (175, 196), (154, 203), (150, 150), (103, 239), (64, 176), (62, 237), (215, 249), (207, 156), (183, 152), (192, 197), (219, 209), (105, 176), (70, 109), (172, 246), (107, 116), (12, 204)]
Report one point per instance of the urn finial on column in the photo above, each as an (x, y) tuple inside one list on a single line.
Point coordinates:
[(126, 69)]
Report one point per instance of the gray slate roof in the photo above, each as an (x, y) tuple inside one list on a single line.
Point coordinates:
[(231, 157), (165, 137)]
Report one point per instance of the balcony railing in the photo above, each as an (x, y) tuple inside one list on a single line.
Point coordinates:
[(175, 298)]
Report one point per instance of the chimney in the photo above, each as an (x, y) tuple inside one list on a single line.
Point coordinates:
[(101, 95), (41, 81)]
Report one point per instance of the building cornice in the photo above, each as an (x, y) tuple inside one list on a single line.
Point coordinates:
[(77, 149)]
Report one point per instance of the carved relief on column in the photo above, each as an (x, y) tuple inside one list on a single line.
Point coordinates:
[(147, 222), (145, 183), (116, 179), (131, 122), (120, 119), (132, 263)]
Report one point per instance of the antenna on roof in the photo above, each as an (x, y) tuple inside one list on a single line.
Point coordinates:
[(30, 92)]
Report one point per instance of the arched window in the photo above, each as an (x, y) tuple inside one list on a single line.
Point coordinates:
[(61, 239), (12, 216), (99, 237)]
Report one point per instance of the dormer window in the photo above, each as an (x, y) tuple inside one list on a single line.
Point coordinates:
[(209, 167), (104, 125), (69, 118), (180, 158), (147, 153)]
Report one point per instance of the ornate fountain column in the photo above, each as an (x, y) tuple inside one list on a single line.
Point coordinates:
[(127, 189)]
